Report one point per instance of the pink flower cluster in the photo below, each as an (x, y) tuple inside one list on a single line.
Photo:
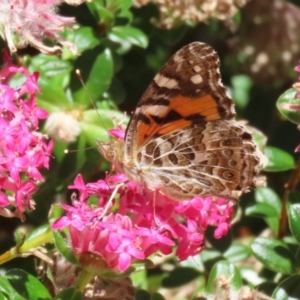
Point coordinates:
[(138, 222), (24, 22), (23, 149)]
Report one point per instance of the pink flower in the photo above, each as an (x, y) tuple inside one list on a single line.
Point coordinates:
[(23, 150), (32, 21), (133, 226)]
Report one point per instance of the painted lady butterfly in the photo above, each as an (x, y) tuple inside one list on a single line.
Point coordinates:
[(183, 138)]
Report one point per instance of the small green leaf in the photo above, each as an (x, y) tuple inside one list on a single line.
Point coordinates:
[(69, 294), (84, 37), (2, 297), (157, 296), (27, 285), (64, 247), (274, 254), (294, 220), (53, 80), (81, 155), (261, 210), (289, 105), (7, 290), (268, 196), (56, 211), (142, 295), (100, 12), (250, 275), (128, 34), (95, 124), (267, 206), (180, 276), (279, 160), (96, 67), (40, 232), (226, 270), (237, 252), (259, 137), (267, 287), (289, 289), (241, 85), (116, 92), (116, 5)]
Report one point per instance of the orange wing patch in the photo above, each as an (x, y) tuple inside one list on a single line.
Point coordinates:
[(176, 116), (173, 126), (206, 106)]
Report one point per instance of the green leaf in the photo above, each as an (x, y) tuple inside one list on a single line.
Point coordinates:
[(53, 80), (142, 295), (115, 5), (241, 85), (63, 247), (101, 13), (267, 206), (268, 196), (289, 105), (27, 285), (81, 155), (96, 67), (69, 294), (279, 160), (261, 210), (7, 290), (180, 276), (265, 211), (267, 287), (259, 137), (275, 255), (294, 220), (127, 36), (251, 275), (289, 289), (84, 37), (237, 252), (157, 296), (229, 272), (116, 92), (95, 124), (2, 297), (55, 213)]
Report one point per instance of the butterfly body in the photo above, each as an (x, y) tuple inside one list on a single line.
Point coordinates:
[(183, 138)]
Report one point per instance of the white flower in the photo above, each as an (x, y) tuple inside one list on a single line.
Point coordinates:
[(63, 127)]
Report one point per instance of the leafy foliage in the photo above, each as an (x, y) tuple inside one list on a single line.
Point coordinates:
[(120, 52)]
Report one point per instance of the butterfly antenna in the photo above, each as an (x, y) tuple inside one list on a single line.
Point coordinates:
[(78, 74), (67, 151)]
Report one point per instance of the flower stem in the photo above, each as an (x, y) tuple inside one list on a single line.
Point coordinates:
[(29, 246), (84, 278)]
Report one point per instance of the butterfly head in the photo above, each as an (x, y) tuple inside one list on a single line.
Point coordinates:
[(112, 151)]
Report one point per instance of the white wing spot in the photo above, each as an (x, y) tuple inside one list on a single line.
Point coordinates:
[(196, 79), (197, 69), (165, 82)]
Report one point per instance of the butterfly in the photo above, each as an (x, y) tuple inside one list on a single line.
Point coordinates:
[(183, 138)]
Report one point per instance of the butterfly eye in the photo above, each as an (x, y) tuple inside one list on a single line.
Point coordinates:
[(111, 154)]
